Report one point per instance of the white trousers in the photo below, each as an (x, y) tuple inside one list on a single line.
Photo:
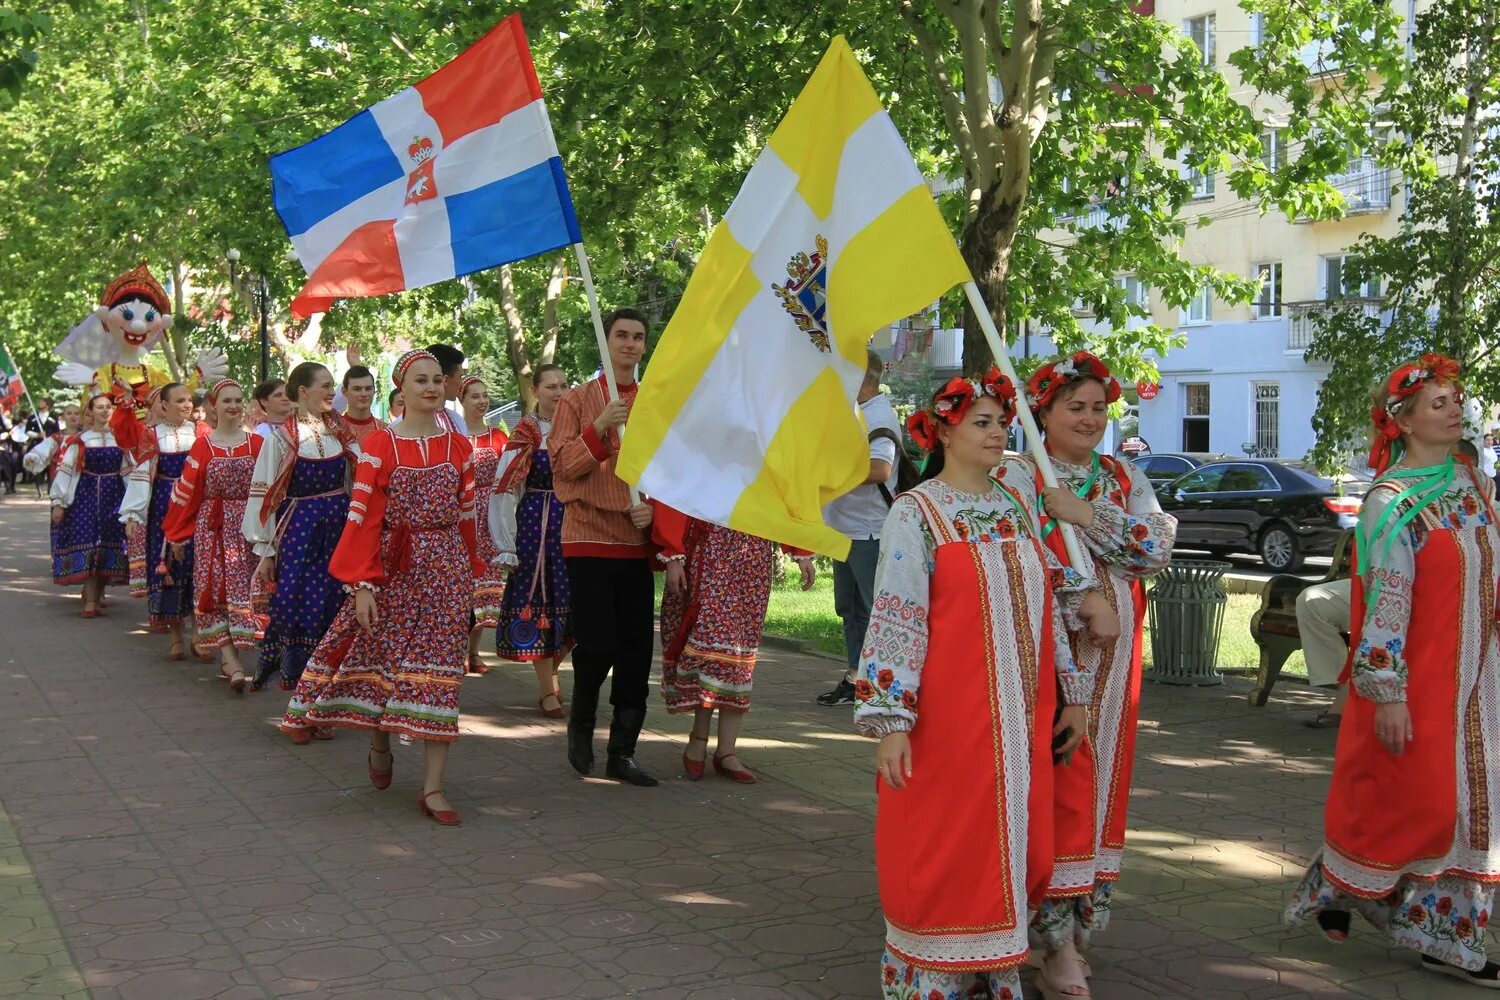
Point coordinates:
[(1322, 615)]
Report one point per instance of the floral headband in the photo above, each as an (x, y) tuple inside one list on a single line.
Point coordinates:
[(469, 380), (403, 363), (951, 403), (1052, 378), (212, 395), (1403, 384)]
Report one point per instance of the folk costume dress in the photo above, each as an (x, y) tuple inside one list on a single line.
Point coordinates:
[(967, 651), (410, 539), (710, 635), (489, 583), (89, 483), (526, 522), (1412, 842), (208, 509), (1129, 541), (299, 501), (148, 495)]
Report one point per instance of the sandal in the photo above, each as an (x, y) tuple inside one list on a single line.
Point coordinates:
[(380, 779), (694, 768), (1486, 978), (1324, 720), (443, 817), (175, 653), (477, 667), (551, 713)]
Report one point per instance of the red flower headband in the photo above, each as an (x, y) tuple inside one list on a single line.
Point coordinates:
[(398, 373), (212, 395), (951, 403), (469, 380), (1401, 386), (1051, 378)]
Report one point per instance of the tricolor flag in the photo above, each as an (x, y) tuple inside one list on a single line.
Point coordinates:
[(454, 175), (12, 387), (746, 416)]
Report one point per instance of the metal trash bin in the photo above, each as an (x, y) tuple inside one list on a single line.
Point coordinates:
[(1185, 607)]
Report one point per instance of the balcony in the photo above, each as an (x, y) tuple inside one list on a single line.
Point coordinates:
[(1366, 187), (1095, 216), (1300, 328), (942, 348)]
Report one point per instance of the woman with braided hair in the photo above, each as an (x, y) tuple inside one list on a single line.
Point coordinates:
[(1128, 539), (1412, 823), (394, 658), (299, 498), (964, 665), (207, 512)]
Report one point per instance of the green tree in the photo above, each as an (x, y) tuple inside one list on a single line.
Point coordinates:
[(1439, 274)]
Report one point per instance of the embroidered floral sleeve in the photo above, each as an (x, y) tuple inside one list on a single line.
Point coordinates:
[(65, 481), (263, 536), (1068, 589), (1130, 533), (896, 641), (1379, 666)]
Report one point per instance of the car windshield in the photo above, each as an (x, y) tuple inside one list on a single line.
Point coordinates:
[(1352, 482)]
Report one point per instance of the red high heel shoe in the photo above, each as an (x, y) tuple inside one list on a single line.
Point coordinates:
[(443, 817), (551, 713), (694, 768), (300, 737), (381, 780), (734, 774)]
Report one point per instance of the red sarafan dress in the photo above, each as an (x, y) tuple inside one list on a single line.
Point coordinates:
[(1130, 540), (410, 538), (1412, 841), (208, 506), (489, 583), (967, 650)]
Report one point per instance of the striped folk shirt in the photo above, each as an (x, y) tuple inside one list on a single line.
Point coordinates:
[(583, 474)]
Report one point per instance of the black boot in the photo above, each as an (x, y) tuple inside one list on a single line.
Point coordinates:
[(581, 730), (623, 732)]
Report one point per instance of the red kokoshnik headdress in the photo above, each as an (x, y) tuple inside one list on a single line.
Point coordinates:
[(212, 395), (403, 363), (951, 403), (469, 380), (1053, 377), (1404, 383)]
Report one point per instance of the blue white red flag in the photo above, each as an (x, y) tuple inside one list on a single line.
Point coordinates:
[(454, 175)]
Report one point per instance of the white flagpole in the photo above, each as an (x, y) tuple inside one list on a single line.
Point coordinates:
[(604, 362), (1028, 423), (17, 369)]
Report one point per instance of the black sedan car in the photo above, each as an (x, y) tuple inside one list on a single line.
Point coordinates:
[(1168, 466), (1282, 511)]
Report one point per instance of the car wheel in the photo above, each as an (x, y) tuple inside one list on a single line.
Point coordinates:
[(1280, 550)]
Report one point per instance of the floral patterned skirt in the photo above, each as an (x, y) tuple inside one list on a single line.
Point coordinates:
[(723, 613), (1444, 918), (899, 981)]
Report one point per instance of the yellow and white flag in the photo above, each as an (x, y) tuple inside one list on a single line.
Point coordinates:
[(746, 416)]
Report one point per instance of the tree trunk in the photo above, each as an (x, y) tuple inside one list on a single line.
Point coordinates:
[(986, 246), (551, 323), (1451, 314), (515, 340), (174, 344)]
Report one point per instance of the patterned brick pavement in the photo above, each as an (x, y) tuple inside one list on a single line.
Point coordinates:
[(164, 842)]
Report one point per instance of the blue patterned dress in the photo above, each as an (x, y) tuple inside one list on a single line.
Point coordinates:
[(90, 541), (148, 496), (526, 526)]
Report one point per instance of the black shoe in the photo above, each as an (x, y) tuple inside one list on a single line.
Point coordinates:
[(627, 770), (581, 749), (1487, 977), (841, 695)]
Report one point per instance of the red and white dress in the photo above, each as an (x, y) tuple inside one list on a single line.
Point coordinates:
[(1412, 842), (1129, 541), (410, 538), (489, 584), (208, 507), (967, 651)]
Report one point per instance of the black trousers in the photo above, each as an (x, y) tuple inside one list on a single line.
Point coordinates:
[(613, 628)]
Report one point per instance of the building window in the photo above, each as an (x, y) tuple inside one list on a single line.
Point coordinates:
[(1200, 310), (1267, 419), (1333, 283), (1267, 303), (1137, 293), (1201, 31), (1257, 29), (1195, 416), (1273, 148), (1201, 181)]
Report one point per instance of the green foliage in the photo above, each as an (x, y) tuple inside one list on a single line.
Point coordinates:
[(1438, 273)]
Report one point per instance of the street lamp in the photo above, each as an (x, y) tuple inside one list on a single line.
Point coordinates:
[(261, 297)]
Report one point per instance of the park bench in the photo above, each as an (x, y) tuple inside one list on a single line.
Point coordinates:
[(1274, 626)]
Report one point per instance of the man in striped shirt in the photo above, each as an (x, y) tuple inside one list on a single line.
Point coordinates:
[(607, 546)]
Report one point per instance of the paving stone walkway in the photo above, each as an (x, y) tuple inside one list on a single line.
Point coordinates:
[(160, 840)]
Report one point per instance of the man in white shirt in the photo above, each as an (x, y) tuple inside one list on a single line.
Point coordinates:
[(860, 513)]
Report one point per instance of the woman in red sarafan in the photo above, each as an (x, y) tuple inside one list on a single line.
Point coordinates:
[(394, 658), (1128, 539), (1412, 824), (208, 508), (961, 672), (712, 614), (489, 585)]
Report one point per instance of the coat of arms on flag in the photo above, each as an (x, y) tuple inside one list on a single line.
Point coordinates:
[(12, 387), (455, 174)]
